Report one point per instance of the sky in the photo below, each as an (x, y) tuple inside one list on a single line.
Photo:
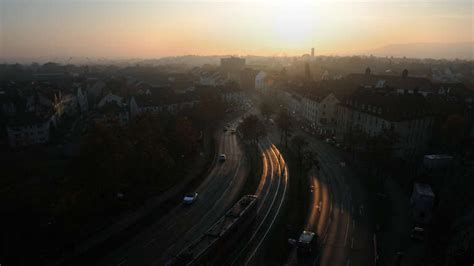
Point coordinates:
[(153, 29)]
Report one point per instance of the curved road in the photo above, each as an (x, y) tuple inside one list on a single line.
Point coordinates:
[(171, 233), (271, 193), (338, 211)]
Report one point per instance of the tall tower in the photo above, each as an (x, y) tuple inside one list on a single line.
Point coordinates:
[(312, 52)]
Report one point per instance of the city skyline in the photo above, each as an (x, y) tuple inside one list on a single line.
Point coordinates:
[(153, 29)]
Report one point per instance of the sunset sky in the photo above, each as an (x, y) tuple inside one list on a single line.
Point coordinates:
[(126, 29)]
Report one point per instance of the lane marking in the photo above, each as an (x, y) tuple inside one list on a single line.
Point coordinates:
[(150, 242), (269, 209), (268, 181), (122, 262), (281, 202), (347, 233)]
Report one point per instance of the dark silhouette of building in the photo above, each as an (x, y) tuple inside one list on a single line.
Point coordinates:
[(232, 64), (405, 73)]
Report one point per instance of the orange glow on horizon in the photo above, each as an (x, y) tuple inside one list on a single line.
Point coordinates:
[(156, 28)]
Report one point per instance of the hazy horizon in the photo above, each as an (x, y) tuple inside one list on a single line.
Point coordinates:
[(156, 29)]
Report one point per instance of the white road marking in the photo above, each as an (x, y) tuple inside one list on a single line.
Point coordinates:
[(347, 232), (122, 262), (150, 242), (285, 176)]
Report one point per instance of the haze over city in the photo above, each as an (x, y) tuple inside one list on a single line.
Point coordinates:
[(236, 132), (154, 29)]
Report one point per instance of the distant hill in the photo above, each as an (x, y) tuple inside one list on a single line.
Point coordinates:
[(460, 50)]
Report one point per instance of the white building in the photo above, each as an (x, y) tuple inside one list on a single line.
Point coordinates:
[(318, 108), (409, 117), (261, 81)]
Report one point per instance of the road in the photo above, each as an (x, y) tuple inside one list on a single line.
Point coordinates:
[(171, 233), (338, 211), (271, 192)]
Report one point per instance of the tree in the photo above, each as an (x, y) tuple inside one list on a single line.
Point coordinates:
[(367, 71), (310, 159), (298, 145), (266, 108), (285, 125), (452, 131), (252, 128), (405, 73), (186, 137), (210, 108)]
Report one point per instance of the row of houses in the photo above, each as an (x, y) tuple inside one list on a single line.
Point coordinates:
[(372, 104), (160, 99), (233, 69), (30, 111)]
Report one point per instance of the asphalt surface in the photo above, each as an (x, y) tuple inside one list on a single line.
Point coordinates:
[(338, 212), (175, 230), (271, 192)]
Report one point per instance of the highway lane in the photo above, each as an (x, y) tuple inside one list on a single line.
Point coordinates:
[(334, 240), (271, 192), (170, 234), (348, 239), (336, 212), (361, 245)]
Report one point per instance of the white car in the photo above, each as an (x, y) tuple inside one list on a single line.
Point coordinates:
[(222, 157), (190, 198)]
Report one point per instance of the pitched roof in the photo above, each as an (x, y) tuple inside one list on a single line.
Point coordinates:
[(112, 108), (392, 107), (396, 82), (165, 96)]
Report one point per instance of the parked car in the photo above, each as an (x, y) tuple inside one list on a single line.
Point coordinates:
[(330, 141), (190, 198)]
